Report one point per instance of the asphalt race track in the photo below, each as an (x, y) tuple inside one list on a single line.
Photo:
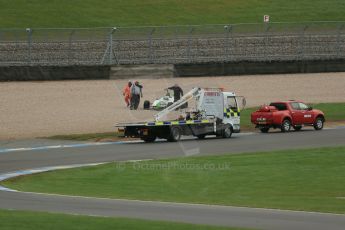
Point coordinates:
[(190, 213)]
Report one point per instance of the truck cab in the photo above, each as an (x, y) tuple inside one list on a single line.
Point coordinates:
[(232, 110)]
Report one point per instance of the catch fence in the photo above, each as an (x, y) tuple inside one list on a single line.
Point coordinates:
[(173, 44)]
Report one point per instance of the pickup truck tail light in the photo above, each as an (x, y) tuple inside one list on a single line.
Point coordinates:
[(267, 108)]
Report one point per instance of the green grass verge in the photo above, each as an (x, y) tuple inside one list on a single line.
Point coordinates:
[(333, 111), (245, 119), (109, 13), (86, 136), (15, 220), (310, 179)]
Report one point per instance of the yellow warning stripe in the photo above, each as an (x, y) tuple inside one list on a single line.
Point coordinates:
[(182, 122)]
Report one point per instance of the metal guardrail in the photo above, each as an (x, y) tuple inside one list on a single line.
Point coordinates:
[(173, 44)]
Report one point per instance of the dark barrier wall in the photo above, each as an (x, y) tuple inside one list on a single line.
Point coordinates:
[(42, 73), (244, 68)]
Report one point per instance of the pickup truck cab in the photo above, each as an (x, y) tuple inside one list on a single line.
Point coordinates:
[(287, 114)]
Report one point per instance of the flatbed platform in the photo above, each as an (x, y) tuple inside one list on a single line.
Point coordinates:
[(168, 123)]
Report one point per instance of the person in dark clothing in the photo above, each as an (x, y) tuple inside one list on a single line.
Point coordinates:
[(136, 93), (178, 92)]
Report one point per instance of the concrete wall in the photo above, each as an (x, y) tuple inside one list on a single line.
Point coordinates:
[(38, 73), (42, 73), (142, 71), (247, 68)]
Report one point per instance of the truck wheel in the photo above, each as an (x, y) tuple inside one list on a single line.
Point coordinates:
[(264, 130), (201, 136), (227, 132), (175, 134), (149, 139), (286, 126), (318, 125), (146, 105), (297, 128)]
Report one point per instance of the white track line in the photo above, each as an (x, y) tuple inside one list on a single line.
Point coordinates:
[(66, 146)]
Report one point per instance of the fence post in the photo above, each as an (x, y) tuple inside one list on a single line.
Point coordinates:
[(301, 41), (70, 46), (109, 53), (267, 28), (340, 27), (177, 38), (227, 28), (150, 46), (110, 57), (189, 44), (29, 32)]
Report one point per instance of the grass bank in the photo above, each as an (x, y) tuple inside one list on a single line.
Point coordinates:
[(309, 179), (87, 136), (14, 220), (109, 13)]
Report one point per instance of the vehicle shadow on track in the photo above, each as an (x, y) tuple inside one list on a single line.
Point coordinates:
[(277, 131), (184, 140)]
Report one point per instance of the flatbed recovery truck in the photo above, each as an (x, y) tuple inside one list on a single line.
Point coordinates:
[(216, 113)]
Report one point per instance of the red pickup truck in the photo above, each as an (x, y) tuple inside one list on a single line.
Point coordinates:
[(287, 114)]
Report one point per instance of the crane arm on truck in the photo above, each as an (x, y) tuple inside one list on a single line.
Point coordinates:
[(183, 100)]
